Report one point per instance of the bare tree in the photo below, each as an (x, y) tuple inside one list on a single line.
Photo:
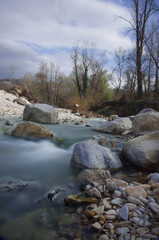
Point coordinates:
[(141, 12)]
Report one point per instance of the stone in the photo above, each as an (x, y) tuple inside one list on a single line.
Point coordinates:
[(134, 200), (94, 193), (44, 113), (21, 101), (117, 194), (106, 204), (122, 231), (131, 206), (31, 130), (89, 213), (102, 218), (143, 151), (136, 192), (155, 177), (87, 176), (145, 201), (146, 110), (117, 201), (109, 226), (145, 122), (99, 210), (79, 123), (78, 200), (114, 184), (9, 122), (155, 230), (118, 126), (88, 154), (142, 231), (123, 213), (110, 217), (154, 207), (137, 221), (122, 224), (110, 212), (103, 237), (96, 226)]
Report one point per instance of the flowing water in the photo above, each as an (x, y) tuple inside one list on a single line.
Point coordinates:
[(42, 164)]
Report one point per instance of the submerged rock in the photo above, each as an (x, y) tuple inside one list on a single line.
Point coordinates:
[(32, 130), (143, 151), (118, 126), (87, 176), (88, 154)]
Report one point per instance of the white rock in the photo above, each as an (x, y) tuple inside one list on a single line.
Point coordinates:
[(154, 207), (122, 231)]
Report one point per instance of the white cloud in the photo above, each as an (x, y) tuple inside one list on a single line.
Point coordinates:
[(56, 23)]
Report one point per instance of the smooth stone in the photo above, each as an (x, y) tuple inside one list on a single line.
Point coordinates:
[(94, 193), (88, 186), (122, 231), (9, 122), (117, 194), (109, 226), (131, 206), (110, 217), (114, 184), (123, 213), (110, 212), (103, 237), (96, 226), (155, 230), (99, 210), (136, 192), (134, 200), (145, 201), (117, 201), (137, 221), (106, 204), (155, 177), (89, 213), (142, 231), (154, 207)]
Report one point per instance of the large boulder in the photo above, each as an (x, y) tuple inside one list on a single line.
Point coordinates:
[(146, 110), (117, 126), (146, 122), (87, 176), (41, 113), (143, 151), (31, 130), (89, 154)]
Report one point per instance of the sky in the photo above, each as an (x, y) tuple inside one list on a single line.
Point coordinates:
[(35, 31)]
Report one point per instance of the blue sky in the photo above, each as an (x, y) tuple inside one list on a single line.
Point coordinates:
[(34, 31)]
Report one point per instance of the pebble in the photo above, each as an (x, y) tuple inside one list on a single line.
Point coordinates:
[(154, 207), (89, 213), (134, 200), (151, 199), (122, 231), (99, 210), (137, 221), (110, 217), (131, 206), (88, 186), (109, 226), (139, 213), (103, 237), (155, 230), (96, 226), (110, 212), (106, 204), (142, 231), (94, 193), (117, 194), (136, 191), (144, 200), (155, 177), (117, 201), (123, 213)]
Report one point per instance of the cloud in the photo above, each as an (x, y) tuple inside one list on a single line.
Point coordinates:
[(34, 31)]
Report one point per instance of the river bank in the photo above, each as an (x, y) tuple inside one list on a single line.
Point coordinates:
[(32, 169)]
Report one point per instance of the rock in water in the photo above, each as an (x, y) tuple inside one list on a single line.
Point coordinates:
[(117, 126), (87, 176), (89, 154), (143, 151), (41, 113), (31, 130), (146, 122)]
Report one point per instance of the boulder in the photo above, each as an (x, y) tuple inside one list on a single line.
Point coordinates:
[(41, 113), (145, 122), (21, 101), (31, 130), (88, 154), (87, 176), (146, 110), (143, 151), (118, 126)]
